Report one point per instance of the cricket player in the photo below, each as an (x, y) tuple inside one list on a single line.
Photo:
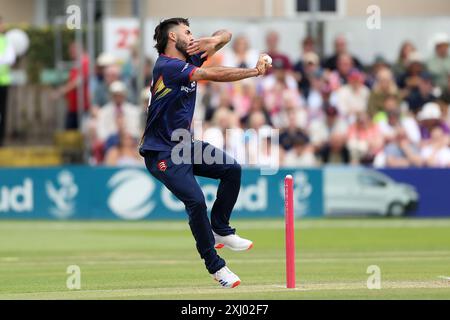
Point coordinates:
[(173, 93)]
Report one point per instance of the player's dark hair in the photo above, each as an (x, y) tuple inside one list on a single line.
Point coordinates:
[(162, 32)]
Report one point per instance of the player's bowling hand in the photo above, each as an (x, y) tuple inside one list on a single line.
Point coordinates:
[(207, 45), (263, 64)]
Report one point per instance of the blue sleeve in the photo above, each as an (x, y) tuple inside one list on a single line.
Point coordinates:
[(178, 71), (197, 60)]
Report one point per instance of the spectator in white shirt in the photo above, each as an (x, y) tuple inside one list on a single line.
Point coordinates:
[(301, 155), (241, 55), (353, 97), (437, 153), (400, 152), (321, 129), (118, 108), (390, 118)]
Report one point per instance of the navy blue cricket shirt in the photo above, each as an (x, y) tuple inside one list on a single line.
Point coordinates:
[(172, 102)]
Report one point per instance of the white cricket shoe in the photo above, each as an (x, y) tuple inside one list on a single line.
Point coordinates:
[(226, 278), (233, 242)]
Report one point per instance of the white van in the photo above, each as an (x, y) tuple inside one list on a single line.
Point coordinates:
[(361, 191)]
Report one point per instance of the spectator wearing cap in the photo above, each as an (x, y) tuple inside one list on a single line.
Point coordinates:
[(340, 47), (118, 110), (439, 65), (272, 43), (111, 73), (415, 69), (104, 60), (304, 70), (420, 96), (430, 117), (353, 97), (383, 87)]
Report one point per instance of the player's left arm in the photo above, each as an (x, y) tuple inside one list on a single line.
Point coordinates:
[(209, 45)]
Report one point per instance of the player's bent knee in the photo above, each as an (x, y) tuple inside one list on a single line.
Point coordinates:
[(197, 205)]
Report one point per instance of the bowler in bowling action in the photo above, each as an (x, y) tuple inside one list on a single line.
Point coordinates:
[(173, 94)]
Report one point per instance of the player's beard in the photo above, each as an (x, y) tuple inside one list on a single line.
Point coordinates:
[(182, 47)]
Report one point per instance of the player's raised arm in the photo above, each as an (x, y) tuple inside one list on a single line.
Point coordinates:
[(226, 74), (209, 45)]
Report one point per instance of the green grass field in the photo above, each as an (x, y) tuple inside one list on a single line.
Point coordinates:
[(158, 260)]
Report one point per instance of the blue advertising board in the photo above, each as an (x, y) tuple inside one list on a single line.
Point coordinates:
[(82, 192), (432, 185)]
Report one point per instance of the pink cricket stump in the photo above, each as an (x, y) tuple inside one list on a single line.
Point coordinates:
[(290, 239)]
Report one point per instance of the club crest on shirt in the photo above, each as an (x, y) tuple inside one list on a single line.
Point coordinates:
[(162, 165)]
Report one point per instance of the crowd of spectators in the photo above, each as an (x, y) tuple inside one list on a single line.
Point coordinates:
[(335, 110), (328, 110), (113, 109)]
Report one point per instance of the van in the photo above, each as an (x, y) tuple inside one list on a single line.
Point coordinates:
[(361, 191)]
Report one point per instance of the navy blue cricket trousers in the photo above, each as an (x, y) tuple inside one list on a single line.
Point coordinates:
[(180, 180)]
